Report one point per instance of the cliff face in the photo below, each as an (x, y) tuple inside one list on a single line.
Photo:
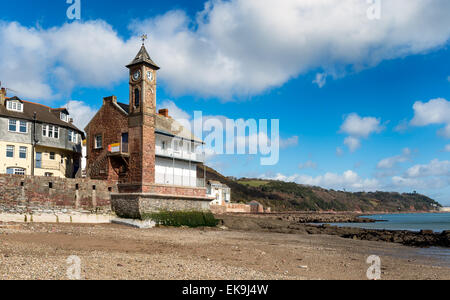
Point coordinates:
[(284, 196)]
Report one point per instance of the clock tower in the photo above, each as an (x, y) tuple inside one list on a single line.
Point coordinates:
[(141, 122)]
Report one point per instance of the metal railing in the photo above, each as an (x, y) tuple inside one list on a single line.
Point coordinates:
[(192, 156), (178, 180)]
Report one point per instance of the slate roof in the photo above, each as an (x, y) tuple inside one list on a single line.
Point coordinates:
[(44, 114), (143, 57)]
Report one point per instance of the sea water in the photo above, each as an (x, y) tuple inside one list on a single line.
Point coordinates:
[(437, 222)]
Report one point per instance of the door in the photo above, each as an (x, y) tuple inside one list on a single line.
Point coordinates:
[(38, 160)]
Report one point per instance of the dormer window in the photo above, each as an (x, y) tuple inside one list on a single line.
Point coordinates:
[(15, 106), (64, 117)]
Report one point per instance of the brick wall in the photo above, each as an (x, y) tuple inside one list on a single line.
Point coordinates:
[(19, 194), (110, 123)]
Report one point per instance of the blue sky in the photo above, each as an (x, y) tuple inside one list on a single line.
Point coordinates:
[(377, 120)]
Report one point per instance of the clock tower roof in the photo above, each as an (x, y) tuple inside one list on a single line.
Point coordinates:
[(143, 58)]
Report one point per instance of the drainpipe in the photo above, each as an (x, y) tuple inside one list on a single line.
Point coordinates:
[(34, 141)]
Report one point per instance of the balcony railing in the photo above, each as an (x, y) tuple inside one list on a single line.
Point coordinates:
[(185, 155), (178, 180)]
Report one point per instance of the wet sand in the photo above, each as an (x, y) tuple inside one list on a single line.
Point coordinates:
[(39, 251)]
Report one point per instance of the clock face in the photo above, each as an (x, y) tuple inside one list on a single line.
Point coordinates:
[(136, 75), (150, 75)]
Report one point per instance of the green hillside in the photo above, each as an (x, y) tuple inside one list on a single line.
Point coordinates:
[(285, 196)]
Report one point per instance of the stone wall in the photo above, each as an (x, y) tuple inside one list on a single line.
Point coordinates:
[(165, 190), (21, 194), (137, 205)]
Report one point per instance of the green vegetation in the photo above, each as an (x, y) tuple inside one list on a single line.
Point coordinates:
[(253, 183), (183, 218), (288, 196)]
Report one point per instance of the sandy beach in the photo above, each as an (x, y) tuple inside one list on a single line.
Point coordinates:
[(40, 251)]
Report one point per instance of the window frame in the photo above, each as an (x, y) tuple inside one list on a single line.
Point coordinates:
[(72, 136), (14, 105), (65, 118), (8, 150), (16, 171), (23, 150), (50, 131), (96, 146)]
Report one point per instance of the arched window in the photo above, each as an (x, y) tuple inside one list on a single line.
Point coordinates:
[(137, 98)]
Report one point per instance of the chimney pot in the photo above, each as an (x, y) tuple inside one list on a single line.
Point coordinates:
[(2, 96), (164, 112), (112, 99)]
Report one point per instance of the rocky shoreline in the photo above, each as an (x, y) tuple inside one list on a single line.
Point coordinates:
[(424, 238), (303, 223)]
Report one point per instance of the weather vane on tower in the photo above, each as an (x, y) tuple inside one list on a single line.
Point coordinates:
[(143, 37)]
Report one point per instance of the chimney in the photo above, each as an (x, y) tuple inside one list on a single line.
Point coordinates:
[(71, 120), (164, 112), (2, 96), (112, 99)]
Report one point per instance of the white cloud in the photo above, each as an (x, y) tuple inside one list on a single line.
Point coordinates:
[(433, 112), (447, 148), (81, 113), (402, 126), (436, 111), (445, 132), (352, 143), (174, 111), (359, 127), (307, 165), (416, 183), (390, 162), (241, 47), (289, 142), (448, 78), (434, 168), (321, 79), (348, 180), (339, 151), (232, 48), (47, 64)]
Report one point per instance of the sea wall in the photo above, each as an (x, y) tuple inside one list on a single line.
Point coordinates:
[(137, 205), (29, 194)]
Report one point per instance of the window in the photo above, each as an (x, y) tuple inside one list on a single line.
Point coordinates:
[(23, 152), (38, 160), (98, 142), (10, 151), (64, 117), (17, 126), (47, 174), (15, 171), (50, 131), (15, 105), (23, 127), (12, 125), (164, 145), (72, 136), (137, 98), (52, 155)]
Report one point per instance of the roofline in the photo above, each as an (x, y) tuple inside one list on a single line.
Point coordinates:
[(143, 62), (176, 136), (51, 109), (98, 111), (42, 122)]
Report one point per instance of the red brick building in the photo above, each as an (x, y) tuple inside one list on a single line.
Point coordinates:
[(145, 152)]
